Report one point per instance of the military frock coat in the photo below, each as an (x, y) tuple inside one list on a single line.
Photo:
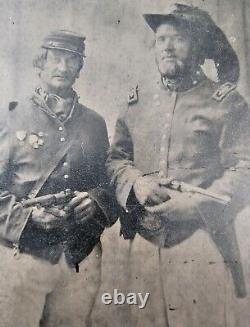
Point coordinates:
[(35, 142), (198, 134)]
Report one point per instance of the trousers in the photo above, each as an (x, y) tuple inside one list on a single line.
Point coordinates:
[(33, 292), (189, 284)]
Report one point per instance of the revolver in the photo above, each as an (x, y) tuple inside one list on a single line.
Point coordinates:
[(50, 199)]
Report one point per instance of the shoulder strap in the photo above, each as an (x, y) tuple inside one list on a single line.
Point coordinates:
[(223, 91), (12, 105)]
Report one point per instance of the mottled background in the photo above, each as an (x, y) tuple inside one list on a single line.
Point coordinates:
[(119, 54)]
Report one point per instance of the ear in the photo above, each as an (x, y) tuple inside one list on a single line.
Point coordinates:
[(79, 69), (39, 71), (151, 43)]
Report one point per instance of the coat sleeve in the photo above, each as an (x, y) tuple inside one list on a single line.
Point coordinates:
[(13, 217), (234, 147), (102, 193), (234, 182), (120, 165), (235, 158)]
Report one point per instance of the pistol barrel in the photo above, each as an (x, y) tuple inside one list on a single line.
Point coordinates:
[(184, 187)]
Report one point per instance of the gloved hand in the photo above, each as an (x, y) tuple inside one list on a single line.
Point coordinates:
[(151, 190)]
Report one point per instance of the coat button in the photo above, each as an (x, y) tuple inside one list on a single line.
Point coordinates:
[(164, 136), (66, 176), (65, 164), (60, 128), (62, 139), (32, 194)]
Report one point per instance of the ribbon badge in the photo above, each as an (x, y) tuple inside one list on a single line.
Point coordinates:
[(21, 135), (36, 140)]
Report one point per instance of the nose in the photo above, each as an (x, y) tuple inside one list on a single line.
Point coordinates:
[(169, 44), (62, 65)]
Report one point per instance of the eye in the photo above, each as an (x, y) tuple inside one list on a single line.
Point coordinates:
[(179, 39), (72, 62), (55, 59), (160, 39)]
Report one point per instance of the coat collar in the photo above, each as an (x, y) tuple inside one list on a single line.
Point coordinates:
[(41, 99), (183, 84)]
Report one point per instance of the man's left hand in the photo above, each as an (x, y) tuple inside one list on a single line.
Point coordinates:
[(181, 207), (82, 205)]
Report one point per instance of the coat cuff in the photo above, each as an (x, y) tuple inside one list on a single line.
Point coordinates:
[(16, 224), (107, 215), (123, 190)]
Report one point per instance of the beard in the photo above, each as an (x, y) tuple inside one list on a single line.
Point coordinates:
[(172, 69)]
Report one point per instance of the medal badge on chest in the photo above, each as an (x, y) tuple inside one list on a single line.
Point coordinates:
[(21, 135), (36, 140)]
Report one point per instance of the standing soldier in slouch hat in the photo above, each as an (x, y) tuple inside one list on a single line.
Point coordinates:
[(184, 128), (50, 144)]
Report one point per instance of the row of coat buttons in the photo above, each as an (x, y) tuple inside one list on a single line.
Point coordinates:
[(62, 139), (163, 149), (157, 100), (65, 164)]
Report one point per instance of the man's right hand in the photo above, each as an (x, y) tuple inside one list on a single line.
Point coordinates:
[(151, 190), (49, 218)]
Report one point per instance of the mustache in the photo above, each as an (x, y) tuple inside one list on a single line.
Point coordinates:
[(168, 56), (174, 58), (62, 75)]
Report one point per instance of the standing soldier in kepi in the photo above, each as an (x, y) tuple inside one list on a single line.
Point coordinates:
[(54, 201), (179, 164)]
